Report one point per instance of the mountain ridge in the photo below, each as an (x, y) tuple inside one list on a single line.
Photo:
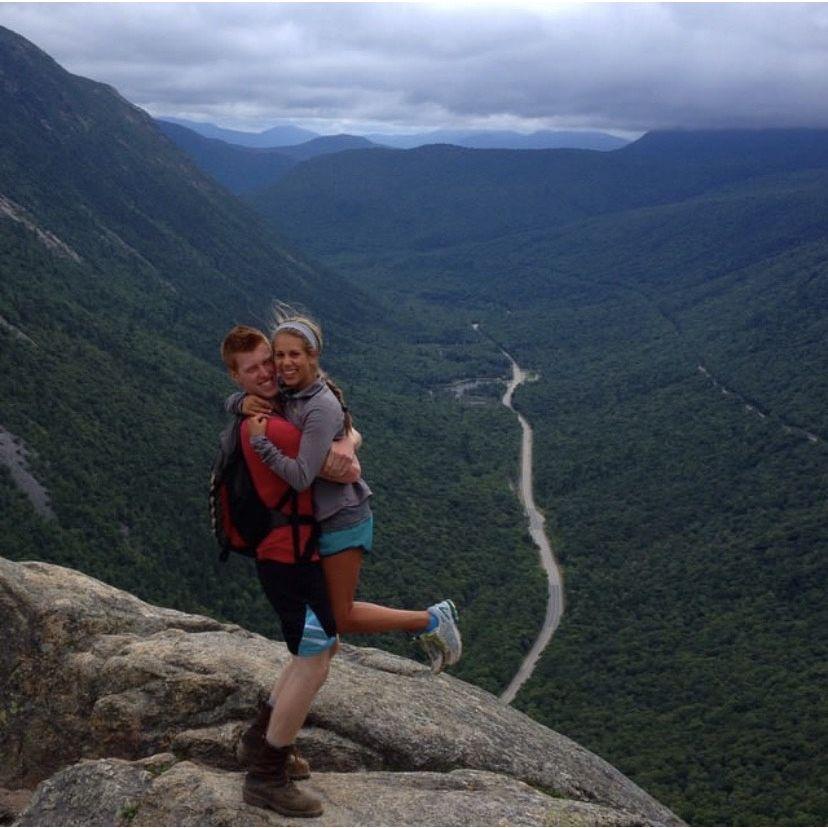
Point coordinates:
[(278, 136), (440, 195), (287, 135), (243, 169)]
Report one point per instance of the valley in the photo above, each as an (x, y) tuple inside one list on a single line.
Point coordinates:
[(555, 599), (678, 517)]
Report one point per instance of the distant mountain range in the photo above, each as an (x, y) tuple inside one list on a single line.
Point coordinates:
[(502, 139), (278, 136), (246, 169), (288, 135), (242, 169), (437, 195)]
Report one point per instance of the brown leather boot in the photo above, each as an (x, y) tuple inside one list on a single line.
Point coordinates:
[(297, 766), (254, 735), (250, 742), (267, 785)]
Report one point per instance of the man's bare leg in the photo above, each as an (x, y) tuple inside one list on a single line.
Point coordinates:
[(295, 691)]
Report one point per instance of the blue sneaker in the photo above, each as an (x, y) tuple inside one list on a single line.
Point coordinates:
[(445, 640)]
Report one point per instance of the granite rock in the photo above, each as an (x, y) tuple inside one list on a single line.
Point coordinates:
[(88, 671)]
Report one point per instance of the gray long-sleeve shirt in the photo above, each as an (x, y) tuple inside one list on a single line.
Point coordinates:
[(318, 414)]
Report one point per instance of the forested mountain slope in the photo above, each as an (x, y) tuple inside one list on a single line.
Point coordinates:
[(122, 267), (237, 168), (677, 318), (437, 196)]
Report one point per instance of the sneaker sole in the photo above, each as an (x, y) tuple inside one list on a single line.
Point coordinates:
[(455, 617), (437, 658)]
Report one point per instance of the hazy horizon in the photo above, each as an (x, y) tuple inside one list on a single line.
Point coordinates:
[(363, 68)]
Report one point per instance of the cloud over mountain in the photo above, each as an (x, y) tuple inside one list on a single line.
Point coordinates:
[(617, 66)]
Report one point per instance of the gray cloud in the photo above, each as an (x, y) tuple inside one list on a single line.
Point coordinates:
[(623, 67)]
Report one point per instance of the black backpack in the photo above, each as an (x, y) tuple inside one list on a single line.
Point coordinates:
[(235, 505)]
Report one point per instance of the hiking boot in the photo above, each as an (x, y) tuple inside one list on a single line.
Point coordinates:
[(253, 738), (297, 766), (267, 785), (446, 637)]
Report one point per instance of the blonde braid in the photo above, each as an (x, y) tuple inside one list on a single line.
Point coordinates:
[(337, 392)]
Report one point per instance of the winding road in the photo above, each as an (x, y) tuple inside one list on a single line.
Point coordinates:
[(555, 601)]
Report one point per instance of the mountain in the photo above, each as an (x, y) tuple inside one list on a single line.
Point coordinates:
[(122, 267), (388, 742), (503, 139), (763, 150), (672, 299), (441, 195), (325, 145), (288, 135), (237, 168), (122, 264), (244, 169), (278, 136)]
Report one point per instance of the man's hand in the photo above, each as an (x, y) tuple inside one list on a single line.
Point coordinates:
[(252, 405), (256, 426), (341, 464)]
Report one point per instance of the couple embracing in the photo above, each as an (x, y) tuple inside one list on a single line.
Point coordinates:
[(299, 447)]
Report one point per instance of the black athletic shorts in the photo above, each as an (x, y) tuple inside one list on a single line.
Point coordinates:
[(297, 592)]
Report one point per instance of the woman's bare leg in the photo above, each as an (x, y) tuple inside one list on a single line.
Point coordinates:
[(341, 577)]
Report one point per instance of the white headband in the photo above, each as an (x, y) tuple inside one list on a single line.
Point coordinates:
[(303, 330)]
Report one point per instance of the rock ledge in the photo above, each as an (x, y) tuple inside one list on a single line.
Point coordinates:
[(122, 713)]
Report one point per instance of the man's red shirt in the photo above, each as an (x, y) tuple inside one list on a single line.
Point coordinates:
[(278, 545)]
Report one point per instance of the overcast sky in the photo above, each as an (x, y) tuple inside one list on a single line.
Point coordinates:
[(624, 68)]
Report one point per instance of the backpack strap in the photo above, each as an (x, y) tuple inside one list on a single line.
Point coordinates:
[(245, 507), (295, 520)]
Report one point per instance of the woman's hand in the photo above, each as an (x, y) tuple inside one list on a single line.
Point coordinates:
[(341, 464), (252, 405), (256, 426)]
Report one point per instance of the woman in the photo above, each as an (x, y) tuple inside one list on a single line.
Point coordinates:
[(314, 404)]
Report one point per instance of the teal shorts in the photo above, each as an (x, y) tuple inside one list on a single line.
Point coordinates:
[(360, 536)]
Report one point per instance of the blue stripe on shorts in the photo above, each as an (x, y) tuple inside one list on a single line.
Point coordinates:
[(314, 638), (354, 537)]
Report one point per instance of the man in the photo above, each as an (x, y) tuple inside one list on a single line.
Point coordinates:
[(291, 576)]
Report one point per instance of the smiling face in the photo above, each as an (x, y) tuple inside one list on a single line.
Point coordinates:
[(296, 363), (255, 373)]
